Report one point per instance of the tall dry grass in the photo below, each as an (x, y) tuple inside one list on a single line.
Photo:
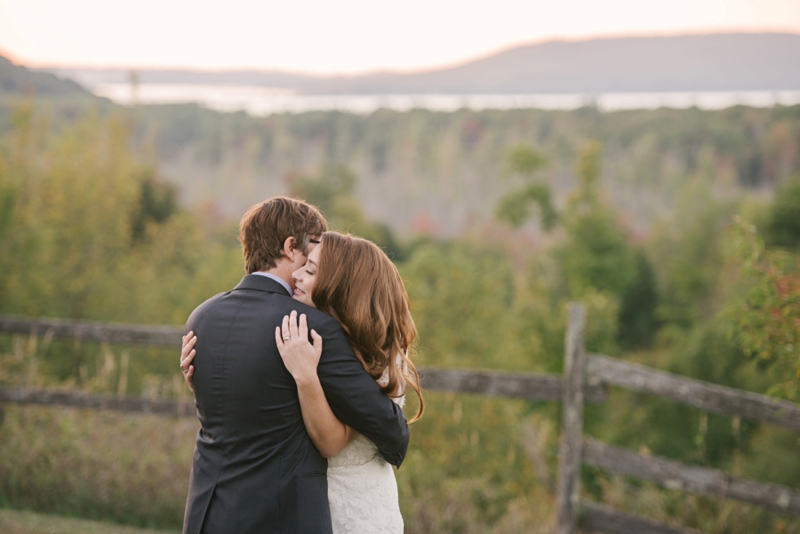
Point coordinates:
[(20, 522), (131, 469)]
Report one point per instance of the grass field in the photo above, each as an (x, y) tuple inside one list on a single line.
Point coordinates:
[(19, 522)]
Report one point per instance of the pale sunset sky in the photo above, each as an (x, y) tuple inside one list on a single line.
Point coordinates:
[(344, 36)]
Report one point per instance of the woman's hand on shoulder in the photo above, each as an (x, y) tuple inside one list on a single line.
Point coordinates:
[(187, 357), (299, 355)]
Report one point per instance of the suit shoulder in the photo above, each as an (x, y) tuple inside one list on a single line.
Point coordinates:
[(213, 300), (320, 321), (208, 304)]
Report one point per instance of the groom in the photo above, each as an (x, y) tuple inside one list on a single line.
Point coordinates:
[(254, 467)]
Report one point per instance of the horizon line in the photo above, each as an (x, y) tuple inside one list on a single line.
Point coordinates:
[(17, 60)]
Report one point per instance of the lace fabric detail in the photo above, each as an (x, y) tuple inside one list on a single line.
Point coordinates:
[(359, 451), (362, 490)]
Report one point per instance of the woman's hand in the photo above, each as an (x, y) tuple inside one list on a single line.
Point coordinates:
[(299, 356), (187, 356)]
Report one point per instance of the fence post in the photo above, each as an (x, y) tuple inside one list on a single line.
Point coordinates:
[(569, 453)]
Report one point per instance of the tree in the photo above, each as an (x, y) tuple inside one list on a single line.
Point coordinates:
[(86, 230), (158, 201), (332, 190), (637, 312), (766, 320), (597, 256), (783, 228), (514, 207)]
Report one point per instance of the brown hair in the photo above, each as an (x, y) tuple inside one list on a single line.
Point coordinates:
[(359, 285), (265, 227)]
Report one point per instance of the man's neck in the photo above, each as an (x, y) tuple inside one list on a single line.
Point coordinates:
[(281, 281), (282, 271)]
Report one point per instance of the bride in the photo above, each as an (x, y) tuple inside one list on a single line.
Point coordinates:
[(354, 281)]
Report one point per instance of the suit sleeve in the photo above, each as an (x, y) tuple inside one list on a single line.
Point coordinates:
[(356, 399)]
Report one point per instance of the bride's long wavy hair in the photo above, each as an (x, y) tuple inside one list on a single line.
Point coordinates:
[(359, 285)]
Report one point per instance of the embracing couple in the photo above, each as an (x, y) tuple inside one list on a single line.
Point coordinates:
[(306, 359)]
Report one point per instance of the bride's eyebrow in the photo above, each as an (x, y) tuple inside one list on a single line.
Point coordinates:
[(313, 263)]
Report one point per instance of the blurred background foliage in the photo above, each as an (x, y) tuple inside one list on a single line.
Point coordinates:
[(679, 232)]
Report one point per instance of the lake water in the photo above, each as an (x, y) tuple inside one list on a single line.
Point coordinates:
[(265, 100)]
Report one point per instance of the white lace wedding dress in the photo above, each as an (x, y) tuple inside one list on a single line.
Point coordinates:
[(362, 490)]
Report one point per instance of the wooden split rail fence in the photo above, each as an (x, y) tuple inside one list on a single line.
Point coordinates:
[(585, 380)]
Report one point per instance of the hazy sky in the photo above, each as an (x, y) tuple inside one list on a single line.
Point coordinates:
[(344, 36)]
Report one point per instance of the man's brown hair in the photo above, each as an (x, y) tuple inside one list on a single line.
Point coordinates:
[(265, 227)]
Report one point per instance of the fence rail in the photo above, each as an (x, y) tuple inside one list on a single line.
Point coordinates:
[(181, 408), (598, 518), (529, 386), (117, 333), (701, 480), (585, 380), (704, 395)]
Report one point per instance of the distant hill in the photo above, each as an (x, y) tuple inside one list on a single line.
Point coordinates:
[(718, 62), (15, 79)]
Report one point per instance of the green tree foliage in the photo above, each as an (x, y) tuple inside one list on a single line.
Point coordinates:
[(687, 252), (597, 257), (88, 230), (464, 301), (158, 201), (332, 190), (515, 206), (639, 302), (597, 254), (448, 161), (68, 218), (783, 227), (718, 313), (766, 320), (675, 430), (71, 205)]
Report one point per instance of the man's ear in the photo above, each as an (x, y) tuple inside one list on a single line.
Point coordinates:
[(289, 249)]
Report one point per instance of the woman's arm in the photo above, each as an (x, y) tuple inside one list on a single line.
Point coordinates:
[(301, 358)]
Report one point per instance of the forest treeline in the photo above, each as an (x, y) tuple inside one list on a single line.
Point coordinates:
[(93, 226), (443, 173)]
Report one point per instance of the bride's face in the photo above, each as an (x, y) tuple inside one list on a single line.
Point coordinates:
[(305, 276)]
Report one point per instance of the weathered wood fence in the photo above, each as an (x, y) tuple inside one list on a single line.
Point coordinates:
[(585, 379)]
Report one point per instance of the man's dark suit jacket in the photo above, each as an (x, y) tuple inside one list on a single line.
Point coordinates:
[(254, 468)]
